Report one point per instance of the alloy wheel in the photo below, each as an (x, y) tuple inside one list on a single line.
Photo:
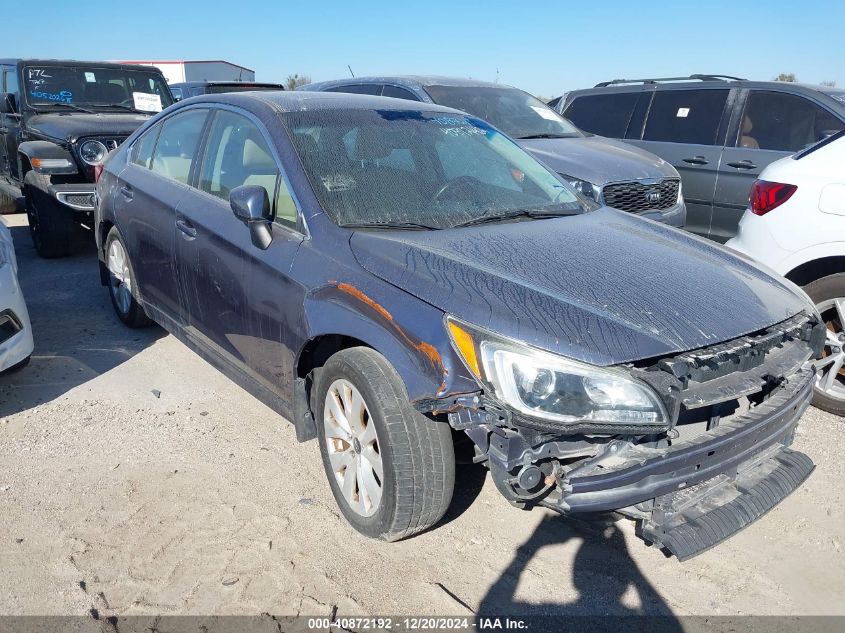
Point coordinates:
[(353, 447), (120, 281), (830, 379)]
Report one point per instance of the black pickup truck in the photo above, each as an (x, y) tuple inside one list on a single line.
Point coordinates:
[(58, 122)]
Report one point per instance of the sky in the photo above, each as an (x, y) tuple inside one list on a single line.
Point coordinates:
[(545, 48)]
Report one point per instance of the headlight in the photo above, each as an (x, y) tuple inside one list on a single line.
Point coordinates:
[(585, 188), (556, 389), (93, 152)]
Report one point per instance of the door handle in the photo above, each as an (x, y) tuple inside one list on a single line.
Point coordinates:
[(126, 192), (743, 164), (186, 229), (696, 160)]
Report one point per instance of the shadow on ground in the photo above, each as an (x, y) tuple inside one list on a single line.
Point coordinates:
[(77, 335), (603, 573)]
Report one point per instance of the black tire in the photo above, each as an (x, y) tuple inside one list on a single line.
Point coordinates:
[(132, 313), (821, 290), (416, 452), (52, 228)]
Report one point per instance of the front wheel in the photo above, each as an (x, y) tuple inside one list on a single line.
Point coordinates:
[(828, 293), (390, 468), (52, 228), (122, 286)]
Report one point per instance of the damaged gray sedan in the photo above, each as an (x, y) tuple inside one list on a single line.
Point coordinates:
[(392, 276)]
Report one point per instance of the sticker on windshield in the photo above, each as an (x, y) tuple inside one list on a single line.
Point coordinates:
[(545, 113), (90, 78), (147, 102), (683, 113)]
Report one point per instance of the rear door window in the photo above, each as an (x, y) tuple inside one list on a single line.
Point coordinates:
[(686, 116), (358, 89), (603, 114), (177, 144), (784, 122), (398, 93)]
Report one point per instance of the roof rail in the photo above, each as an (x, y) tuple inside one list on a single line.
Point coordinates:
[(655, 80)]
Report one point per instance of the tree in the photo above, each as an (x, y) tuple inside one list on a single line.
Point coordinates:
[(829, 84), (295, 80), (785, 77)]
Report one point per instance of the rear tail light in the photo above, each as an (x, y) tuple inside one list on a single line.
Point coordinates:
[(98, 171), (766, 195)]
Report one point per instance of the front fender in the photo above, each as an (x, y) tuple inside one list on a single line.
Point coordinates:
[(408, 332), (47, 158)]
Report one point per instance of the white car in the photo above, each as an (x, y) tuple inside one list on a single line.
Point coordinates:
[(15, 329), (795, 224)]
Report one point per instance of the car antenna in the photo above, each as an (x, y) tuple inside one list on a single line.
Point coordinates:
[(350, 70)]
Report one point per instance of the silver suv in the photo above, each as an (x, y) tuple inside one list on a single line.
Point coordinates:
[(610, 172), (718, 131)]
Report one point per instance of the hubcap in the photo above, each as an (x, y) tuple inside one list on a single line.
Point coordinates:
[(120, 279), (353, 448), (830, 379)]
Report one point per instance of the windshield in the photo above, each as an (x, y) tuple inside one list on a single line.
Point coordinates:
[(420, 169), (93, 87), (513, 111)]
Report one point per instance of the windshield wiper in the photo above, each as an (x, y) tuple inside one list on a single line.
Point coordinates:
[(524, 213), (389, 225), (543, 135), (119, 105), (64, 104)]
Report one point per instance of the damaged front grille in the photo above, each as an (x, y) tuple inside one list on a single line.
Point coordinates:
[(638, 196), (715, 379)]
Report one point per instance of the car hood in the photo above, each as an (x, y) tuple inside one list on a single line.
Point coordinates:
[(597, 159), (603, 287), (70, 126)]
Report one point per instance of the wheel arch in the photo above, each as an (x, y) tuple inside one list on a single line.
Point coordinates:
[(815, 269)]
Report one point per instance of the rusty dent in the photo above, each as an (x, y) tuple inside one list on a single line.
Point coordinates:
[(427, 350)]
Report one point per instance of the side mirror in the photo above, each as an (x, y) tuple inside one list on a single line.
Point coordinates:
[(7, 103), (251, 205)]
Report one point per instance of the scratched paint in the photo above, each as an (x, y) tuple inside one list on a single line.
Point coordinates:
[(425, 349)]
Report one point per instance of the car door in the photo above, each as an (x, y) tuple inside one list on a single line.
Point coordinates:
[(686, 127), (150, 189), (772, 125), (238, 296), (10, 124)]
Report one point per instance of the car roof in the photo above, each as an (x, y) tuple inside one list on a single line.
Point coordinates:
[(407, 81), (299, 101), (194, 84), (636, 85), (74, 62)]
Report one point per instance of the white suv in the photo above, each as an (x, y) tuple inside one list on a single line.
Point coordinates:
[(795, 224)]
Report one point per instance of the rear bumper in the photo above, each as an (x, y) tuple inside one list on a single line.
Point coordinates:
[(631, 475), (16, 343)]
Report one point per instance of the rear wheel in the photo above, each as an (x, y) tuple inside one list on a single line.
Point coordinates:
[(390, 468), (828, 293), (122, 286), (53, 231)]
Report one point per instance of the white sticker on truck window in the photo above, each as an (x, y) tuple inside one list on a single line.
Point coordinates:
[(683, 113), (147, 102), (89, 77), (545, 113)]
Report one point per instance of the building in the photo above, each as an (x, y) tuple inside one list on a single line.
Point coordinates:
[(199, 70)]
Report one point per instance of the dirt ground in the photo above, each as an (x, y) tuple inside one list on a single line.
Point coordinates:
[(136, 479)]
